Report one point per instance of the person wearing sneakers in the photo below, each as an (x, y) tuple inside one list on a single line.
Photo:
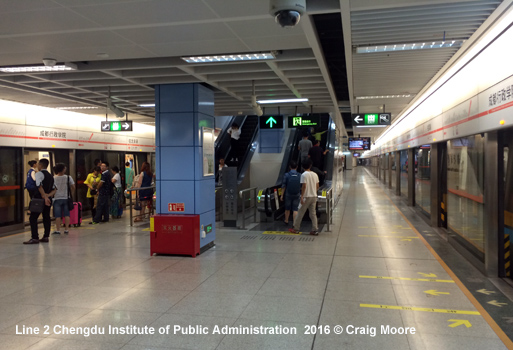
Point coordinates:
[(310, 186), (291, 191), (65, 186), (45, 190)]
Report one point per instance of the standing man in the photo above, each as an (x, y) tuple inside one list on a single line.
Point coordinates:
[(310, 184), (129, 175), (304, 146), (291, 189), (316, 154), (104, 187), (45, 190)]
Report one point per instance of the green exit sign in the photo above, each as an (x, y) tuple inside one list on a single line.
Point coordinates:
[(117, 126), (271, 122), (208, 228), (307, 121)]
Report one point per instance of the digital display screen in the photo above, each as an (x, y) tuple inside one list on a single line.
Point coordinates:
[(359, 143)]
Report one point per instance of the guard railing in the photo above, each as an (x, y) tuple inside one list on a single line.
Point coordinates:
[(248, 195), (130, 202)]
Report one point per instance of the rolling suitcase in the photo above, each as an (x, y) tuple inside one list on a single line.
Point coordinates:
[(75, 215)]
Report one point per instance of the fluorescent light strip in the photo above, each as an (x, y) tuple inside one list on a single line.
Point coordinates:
[(372, 126), (230, 58), (71, 108), (290, 100), (410, 46), (379, 97), (147, 105), (24, 69)]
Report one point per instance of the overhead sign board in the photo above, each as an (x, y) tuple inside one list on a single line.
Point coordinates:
[(271, 122), (371, 119), (306, 121), (117, 126)]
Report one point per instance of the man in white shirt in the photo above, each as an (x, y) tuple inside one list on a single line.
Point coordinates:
[(310, 186), (234, 132)]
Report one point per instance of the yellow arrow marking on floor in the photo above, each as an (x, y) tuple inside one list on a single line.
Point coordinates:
[(407, 279), (496, 303), (377, 236), (459, 323), (435, 292), (286, 233), (411, 308), (427, 274), (484, 291)]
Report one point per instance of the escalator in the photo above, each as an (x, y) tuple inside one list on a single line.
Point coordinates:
[(249, 132)]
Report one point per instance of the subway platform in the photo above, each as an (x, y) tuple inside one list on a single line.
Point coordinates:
[(376, 281)]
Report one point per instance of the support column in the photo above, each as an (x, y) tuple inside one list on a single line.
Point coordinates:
[(436, 188), (184, 116), (494, 187), (390, 162), (398, 173)]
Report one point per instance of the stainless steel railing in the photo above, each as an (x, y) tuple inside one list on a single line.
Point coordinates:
[(130, 205), (252, 205)]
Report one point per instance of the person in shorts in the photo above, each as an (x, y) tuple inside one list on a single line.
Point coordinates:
[(60, 203), (291, 191)]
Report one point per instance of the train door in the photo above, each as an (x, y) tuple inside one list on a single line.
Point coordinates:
[(507, 200), (11, 188)]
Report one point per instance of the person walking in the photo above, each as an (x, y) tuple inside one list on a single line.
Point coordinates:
[(310, 186), (104, 188), (145, 180), (116, 200), (304, 146), (65, 185), (291, 191), (45, 190), (92, 181)]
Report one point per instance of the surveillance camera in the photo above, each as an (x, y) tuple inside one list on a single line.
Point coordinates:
[(49, 62), (287, 13)]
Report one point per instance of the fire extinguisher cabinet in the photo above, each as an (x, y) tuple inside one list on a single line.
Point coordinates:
[(175, 234)]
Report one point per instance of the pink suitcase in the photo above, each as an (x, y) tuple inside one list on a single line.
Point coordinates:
[(75, 215)]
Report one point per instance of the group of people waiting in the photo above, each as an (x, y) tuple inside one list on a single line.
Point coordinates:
[(104, 194)]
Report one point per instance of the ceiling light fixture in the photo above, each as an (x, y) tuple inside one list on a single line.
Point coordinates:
[(290, 100), (39, 68), (147, 105), (82, 107), (383, 96), (254, 56), (409, 46)]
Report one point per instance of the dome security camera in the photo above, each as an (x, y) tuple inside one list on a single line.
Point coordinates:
[(49, 62), (287, 13)]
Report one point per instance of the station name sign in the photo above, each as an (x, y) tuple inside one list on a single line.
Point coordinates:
[(297, 122), (117, 126), (371, 119)]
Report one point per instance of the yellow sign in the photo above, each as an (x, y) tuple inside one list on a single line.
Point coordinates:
[(324, 193), (286, 233), (152, 224), (435, 292), (459, 323), (260, 195), (407, 279), (425, 309)]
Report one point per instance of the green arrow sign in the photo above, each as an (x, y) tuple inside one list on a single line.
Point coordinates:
[(270, 121)]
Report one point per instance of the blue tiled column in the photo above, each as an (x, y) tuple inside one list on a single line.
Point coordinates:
[(181, 110)]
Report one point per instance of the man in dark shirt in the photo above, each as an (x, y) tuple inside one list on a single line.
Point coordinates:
[(315, 154), (103, 205), (45, 190)]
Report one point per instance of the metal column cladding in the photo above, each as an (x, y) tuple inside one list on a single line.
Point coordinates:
[(183, 113)]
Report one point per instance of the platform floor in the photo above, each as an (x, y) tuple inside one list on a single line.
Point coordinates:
[(372, 270)]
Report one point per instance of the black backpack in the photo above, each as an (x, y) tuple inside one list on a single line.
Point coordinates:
[(293, 184)]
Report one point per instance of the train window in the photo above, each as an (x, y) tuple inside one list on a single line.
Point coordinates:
[(11, 186)]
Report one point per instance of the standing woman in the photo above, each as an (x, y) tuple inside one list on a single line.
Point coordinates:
[(60, 206), (145, 179), (234, 132), (115, 204), (91, 182)]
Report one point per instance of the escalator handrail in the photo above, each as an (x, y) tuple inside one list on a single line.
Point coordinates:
[(244, 166)]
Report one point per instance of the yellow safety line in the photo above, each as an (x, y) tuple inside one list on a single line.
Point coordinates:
[(425, 309), (284, 233), (377, 236), (500, 333), (407, 279)]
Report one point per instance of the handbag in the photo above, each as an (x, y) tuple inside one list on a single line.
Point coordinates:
[(137, 205), (70, 198), (36, 205)]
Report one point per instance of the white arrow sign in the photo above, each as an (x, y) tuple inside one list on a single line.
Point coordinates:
[(358, 119), (106, 126), (126, 126)]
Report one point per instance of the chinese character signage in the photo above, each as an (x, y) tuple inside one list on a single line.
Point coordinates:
[(306, 121), (117, 126), (371, 119)]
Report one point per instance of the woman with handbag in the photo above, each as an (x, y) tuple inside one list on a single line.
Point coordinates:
[(61, 206), (145, 180), (91, 182)]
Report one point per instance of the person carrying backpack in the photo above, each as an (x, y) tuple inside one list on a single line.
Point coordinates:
[(291, 190), (30, 183)]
